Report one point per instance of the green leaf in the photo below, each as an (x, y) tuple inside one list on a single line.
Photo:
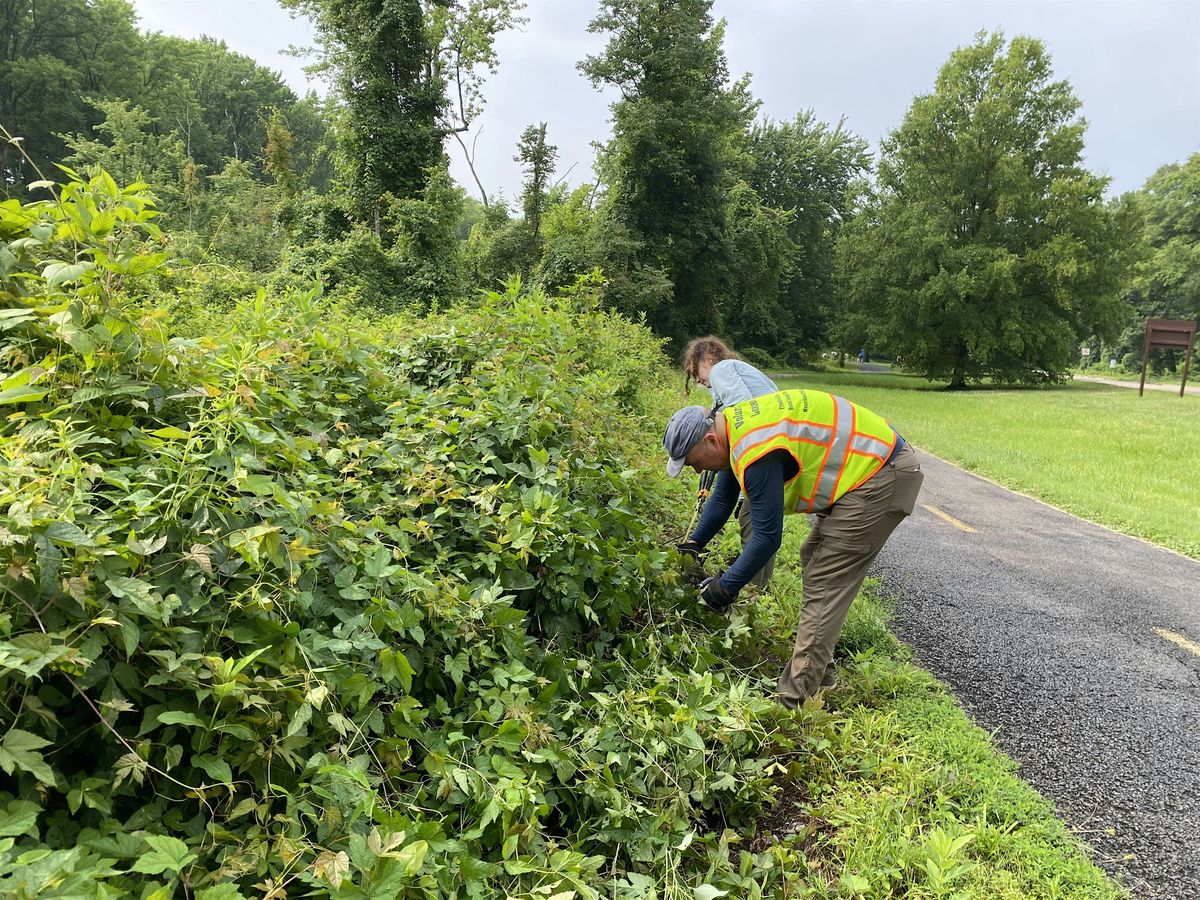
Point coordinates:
[(226, 891), (19, 751), (21, 395), (137, 592), (68, 533), (19, 817), (216, 768), (394, 666), (91, 392), (688, 738), (167, 854), (299, 719), (708, 892), (10, 318), (182, 718), (57, 273), (412, 857), (170, 433)]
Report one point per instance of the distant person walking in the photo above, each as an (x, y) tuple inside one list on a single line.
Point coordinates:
[(800, 451), (709, 361)]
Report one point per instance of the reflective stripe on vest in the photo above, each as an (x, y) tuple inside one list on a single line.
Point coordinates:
[(837, 445)]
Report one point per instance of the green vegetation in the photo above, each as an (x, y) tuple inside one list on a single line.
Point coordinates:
[(1098, 451), (309, 603), (986, 249), (324, 572)]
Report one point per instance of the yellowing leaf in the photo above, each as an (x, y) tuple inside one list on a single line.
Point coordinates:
[(332, 867)]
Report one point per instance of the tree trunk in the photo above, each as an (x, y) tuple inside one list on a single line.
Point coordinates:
[(958, 377)]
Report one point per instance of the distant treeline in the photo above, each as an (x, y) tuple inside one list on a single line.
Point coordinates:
[(977, 246)]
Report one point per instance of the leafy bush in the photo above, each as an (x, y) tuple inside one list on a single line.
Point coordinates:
[(311, 604), (355, 268)]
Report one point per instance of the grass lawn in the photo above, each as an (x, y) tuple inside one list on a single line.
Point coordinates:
[(1101, 452)]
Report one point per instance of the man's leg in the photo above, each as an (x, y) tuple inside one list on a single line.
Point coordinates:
[(763, 578), (836, 557)]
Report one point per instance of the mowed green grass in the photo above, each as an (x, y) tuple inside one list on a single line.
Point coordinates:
[(1101, 452)]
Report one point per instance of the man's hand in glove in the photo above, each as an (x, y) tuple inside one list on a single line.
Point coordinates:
[(693, 561), (714, 595)]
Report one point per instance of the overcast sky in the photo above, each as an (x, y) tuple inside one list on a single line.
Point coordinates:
[(1134, 64)]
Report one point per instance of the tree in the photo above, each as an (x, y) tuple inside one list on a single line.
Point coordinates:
[(1166, 284), (537, 158), (393, 62), (424, 246), (127, 148), (462, 41), (987, 250), (388, 129), (278, 158), (55, 55), (673, 160), (799, 172), (217, 101)]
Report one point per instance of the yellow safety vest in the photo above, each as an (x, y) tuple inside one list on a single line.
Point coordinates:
[(837, 444)]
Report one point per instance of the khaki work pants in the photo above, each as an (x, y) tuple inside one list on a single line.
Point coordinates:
[(840, 548), (763, 578)]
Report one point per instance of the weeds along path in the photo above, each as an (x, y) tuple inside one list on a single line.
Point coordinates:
[(1080, 647)]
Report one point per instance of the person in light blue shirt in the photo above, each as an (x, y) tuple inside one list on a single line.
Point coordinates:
[(709, 361)]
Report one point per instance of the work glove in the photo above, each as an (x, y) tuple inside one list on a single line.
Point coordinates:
[(714, 595), (693, 561)]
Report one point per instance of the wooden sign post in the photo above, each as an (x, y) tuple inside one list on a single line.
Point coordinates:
[(1174, 334)]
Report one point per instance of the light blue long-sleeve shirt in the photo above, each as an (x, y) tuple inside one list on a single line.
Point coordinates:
[(732, 381)]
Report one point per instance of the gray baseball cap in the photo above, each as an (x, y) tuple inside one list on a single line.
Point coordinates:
[(684, 432)]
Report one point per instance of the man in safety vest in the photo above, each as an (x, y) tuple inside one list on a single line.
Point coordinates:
[(799, 451)]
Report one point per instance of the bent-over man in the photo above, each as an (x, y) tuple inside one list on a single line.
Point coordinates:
[(800, 451)]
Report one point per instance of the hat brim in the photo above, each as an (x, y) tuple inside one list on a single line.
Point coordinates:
[(674, 467)]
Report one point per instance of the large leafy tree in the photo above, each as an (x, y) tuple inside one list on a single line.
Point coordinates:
[(987, 249), (409, 73), (218, 102), (537, 158), (54, 55), (674, 158), (1167, 283), (388, 130), (783, 251)]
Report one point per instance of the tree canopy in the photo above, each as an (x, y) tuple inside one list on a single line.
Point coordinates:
[(986, 248), (674, 157)]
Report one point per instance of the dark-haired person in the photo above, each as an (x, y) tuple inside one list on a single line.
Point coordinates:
[(800, 451), (709, 361)]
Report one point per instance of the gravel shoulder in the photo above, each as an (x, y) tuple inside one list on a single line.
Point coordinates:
[(1079, 647)]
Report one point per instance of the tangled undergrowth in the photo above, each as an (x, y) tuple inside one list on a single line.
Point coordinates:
[(306, 604), (297, 603)]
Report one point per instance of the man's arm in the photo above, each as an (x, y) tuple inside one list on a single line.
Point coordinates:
[(764, 493), (717, 508)]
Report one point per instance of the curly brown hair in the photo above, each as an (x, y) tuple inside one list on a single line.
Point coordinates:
[(697, 351)]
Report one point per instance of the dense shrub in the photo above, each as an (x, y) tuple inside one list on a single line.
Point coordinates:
[(356, 268), (323, 606)]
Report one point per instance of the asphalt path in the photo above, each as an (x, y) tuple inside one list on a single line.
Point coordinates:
[(1079, 648), (1188, 389)]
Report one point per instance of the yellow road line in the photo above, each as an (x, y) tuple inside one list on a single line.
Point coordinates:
[(1189, 646), (949, 518)]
